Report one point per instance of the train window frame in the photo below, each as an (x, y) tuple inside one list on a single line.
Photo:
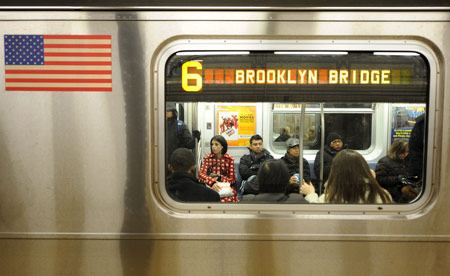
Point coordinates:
[(158, 190)]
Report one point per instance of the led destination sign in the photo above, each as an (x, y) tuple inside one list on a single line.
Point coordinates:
[(194, 76)]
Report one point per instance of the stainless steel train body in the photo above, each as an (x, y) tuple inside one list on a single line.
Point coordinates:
[(82, 174)]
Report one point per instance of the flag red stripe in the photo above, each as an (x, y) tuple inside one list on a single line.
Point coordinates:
[(106, 89), (46, 45), (77, 62), (61, 80), (77, 54), (77, 37), (58, 72)]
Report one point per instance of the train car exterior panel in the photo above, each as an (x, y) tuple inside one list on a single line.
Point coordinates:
[(81, 173)]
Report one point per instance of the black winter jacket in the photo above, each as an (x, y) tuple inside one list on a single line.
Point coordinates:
[(184, 186), (416, 141), (387, 171), (177, 139), (293, 166), (247, 161), (328, 155)]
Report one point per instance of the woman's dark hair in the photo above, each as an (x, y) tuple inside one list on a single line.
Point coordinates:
[(398, 147), (222, 141), (273, 177), (351, 180)]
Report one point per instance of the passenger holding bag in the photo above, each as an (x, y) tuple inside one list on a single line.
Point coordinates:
[(218, 168)]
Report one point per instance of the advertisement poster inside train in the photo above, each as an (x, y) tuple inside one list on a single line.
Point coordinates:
[(403, 120), (236, 124)]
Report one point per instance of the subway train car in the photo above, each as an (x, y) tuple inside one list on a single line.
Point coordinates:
[(85, 143)]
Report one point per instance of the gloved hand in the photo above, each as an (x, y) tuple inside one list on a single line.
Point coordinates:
[(196, 134), (402, 179)]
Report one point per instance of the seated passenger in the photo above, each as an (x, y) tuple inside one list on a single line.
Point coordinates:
[(350, 181), (218, 167), (310, 134), (333, 145), (182, 184), (250, 163), (273, 179), (284, 134), (391, 172), (291, 159)]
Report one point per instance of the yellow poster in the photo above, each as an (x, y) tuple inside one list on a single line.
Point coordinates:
[(236, 124)]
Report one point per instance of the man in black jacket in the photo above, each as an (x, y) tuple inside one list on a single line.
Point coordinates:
[(333, 145), (177, 132), (182, 185), (250, 163), (416, 142), (291, 159)]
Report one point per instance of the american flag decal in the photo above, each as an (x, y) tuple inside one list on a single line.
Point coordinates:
[(58, 63)]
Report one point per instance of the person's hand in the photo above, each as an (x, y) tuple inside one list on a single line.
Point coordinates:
[(401, 179), (196, 134), (293, 179), (216, 187), (255, 167), (307, 188)]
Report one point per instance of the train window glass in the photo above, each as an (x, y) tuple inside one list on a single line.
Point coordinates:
[(352, 121), (369, 99)]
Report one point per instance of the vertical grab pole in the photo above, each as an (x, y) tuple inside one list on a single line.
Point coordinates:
[(300, 144), (322, 143)]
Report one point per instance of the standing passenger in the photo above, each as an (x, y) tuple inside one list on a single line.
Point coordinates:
[(333, 145), (218, 166), (177, 132), (250, 164), (416, 142)]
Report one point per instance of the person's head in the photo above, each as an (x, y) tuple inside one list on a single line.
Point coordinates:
[(273, 177), (399, 149), (256, 144), (285, 130), (171, 110), (311, 132), (182, 160), (218, 145), (335, 141), (292, 146), (351, 180)]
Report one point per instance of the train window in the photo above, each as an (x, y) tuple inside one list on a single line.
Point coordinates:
[(369, 99), (352, 121)]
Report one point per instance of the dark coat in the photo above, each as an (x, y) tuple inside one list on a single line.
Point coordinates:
[(275, 198), (249, 165), (183, 186), (177, 139), (293, 166), (387, 171), (416, 141), (328, 155), (282, 138)]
